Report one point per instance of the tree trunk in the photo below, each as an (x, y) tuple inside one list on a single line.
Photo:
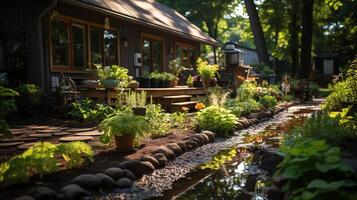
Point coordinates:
[(257, 32), (306, 39), (294, 40)]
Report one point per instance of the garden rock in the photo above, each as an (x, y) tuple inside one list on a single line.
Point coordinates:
[(138, 168), (151, 159), (183, 146), (191, 144), (124, 183), (238, 125), (161, 158), (74, 192), (114, 172), (198, 141), (87, 181), (106, 182), (166, 151), (244, 121), (200, 138), (175, 148), (253, 115), (43, 193), (205, 138), (24, 198), (128, 174), (210, 135)]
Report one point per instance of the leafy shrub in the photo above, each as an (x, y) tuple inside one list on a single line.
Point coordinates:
[(134, 99), (217, 119), (239, 108), (217, 96), (246, 91), (159, 122), (86, 111), (7, 105), (29, 94), (320, 126), (122, 123), (268, 101), (314, 170), (205, 70), (287, 97), (344, 91), (44, 158), (314, 88)]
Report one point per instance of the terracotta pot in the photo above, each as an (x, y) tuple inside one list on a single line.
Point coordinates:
[(134, 85), (124, 143), (174, 82), (207, 82)]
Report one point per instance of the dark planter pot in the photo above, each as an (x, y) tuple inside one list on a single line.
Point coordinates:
[(166, 83), (139, 110), (198, 84), (110, 83), (145, 82), (124, 143), (155, 83)]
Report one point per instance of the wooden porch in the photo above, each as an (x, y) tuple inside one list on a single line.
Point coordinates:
[(172, 99)]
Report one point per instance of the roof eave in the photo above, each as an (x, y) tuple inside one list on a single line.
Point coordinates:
[(212, 41)]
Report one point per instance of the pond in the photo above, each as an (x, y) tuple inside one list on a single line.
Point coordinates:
[(240, 172)]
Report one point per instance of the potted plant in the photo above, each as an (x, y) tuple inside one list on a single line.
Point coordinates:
[(155, 79), (207, 72), (167, 79), (113, 76), (137, 102), (189, 81), (145, 81), (124, 127), (176, 68)]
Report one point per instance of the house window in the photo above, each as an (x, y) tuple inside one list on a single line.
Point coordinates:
[(186, 54), (60, 43), (77, 45), (152, 49)]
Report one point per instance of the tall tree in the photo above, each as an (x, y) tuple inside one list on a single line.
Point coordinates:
[(257, 30), (294, 40), (306, 40)]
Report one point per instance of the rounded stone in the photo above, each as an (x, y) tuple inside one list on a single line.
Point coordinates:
[(106, 182), (128, 174), (161, 158), (175, 148), (151, 159), (210, 135), (87, 181), (205, 138), (138, 168), (200, 138), (124, 183), (43, 193), (114, 172), (198, 141), (191, 144), (239, 125), (244, 121), (74, 192), (183, 146), (169, 154)]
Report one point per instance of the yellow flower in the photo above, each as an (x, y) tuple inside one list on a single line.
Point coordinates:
[(199, 106), (185, 109)]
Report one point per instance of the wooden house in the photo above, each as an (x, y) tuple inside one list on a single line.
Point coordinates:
[(43, 40)]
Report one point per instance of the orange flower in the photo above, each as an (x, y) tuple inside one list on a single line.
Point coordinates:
[(199, 106)]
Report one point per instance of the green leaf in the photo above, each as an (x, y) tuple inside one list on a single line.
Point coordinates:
[(292, 172), (319, 184)]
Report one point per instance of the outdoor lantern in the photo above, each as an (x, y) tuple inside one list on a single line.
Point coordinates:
[(232, 55)]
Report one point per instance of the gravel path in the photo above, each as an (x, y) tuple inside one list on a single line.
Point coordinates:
[(155, 184)]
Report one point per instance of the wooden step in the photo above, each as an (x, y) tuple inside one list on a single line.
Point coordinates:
[(177, 97), (185, 103), (178, 106)]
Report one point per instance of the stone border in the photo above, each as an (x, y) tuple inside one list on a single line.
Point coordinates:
[(121, 178)]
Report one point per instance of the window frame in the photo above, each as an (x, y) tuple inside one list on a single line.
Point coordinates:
[(88, 25), (150, 37), (189, 47)]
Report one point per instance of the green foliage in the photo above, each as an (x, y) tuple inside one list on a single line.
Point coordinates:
[(220, 159), (86, 111), (122, 123), (7, 105), (217, 96), (344, 91), (314, 88), (165, 76), (113, 72), (216, 119), (268, 101), (189, 81), (321, 126), (175, 67), (246, 91), (159, 122), (263, 69), (240, 108), (287, 98), (135, 99), (178, 120), (314, 170), (29, 94), (205, 70), (44, 158)]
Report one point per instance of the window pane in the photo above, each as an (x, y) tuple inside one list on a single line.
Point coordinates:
[(146, 56), (192, 57), (79, 46), (59, 37), (184, 57), (156, 55), (96, 39), (110, 48), (178, 52)]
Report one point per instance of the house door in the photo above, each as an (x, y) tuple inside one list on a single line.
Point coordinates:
[(328, 66)]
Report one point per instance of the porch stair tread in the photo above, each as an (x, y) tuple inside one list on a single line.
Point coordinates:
[(184, 103), (177, 96)]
